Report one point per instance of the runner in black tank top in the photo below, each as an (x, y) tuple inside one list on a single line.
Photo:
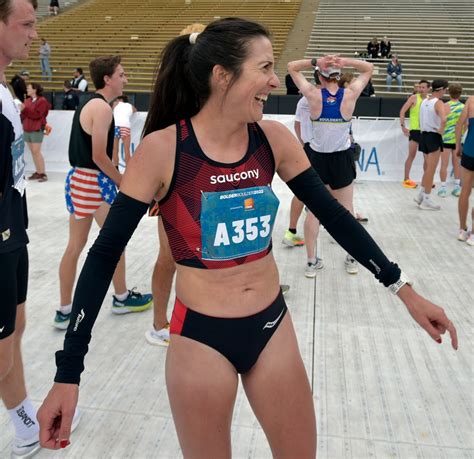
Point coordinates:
[(91, 187)]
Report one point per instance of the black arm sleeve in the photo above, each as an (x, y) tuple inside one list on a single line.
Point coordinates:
[(342, 226), (93, 283)]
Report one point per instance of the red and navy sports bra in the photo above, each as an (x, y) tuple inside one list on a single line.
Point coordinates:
[(197, 177)]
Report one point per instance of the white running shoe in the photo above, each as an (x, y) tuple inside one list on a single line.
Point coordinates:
[(158, 337), (428, 204), (419, 198), (29, 447), (26, 447), (312, 268), (463, 235), (352, 267), (470, 240)]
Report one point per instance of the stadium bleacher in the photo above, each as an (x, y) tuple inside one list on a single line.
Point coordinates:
[(433, 39), (138, 30)]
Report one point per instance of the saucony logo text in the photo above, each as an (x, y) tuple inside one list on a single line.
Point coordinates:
[(79, 319), (235, 177)]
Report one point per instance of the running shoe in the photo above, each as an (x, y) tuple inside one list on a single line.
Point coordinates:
[(135, 302), (409, 184), (158, 337), (312, 268), (443, 192), (470, 240), (61, 320), (419, 198), (352, 267), (25, 448), (42, 178), (428, 204), (463, 235), (284, 288), (456, 191), (292, 240)]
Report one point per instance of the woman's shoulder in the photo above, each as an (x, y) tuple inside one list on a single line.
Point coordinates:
[(275, 132), (162, 139)]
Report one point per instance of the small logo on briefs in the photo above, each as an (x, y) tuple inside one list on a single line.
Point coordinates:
[(272, 324), (6, 235)]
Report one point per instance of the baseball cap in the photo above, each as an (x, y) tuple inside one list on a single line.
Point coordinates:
[(439, 84), (25, 73), (329, 72)]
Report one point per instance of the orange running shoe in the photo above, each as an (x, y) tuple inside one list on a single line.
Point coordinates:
[(409, 184)]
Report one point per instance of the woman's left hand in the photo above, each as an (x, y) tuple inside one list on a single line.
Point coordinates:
[(429, 316)]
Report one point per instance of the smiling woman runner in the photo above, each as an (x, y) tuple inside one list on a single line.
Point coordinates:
[(229, 316)]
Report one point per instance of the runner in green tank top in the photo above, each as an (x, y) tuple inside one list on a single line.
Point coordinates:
[(413, 104), (453, 110)]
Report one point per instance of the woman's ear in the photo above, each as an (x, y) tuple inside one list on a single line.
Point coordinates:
[(220, 76)]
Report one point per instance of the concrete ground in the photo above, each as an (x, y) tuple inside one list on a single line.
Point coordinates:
[(382, 388)]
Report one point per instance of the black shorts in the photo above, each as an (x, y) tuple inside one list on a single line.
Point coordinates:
[(54, 3), (449, 146), (307, 150), (414, 135), (13, 287), (240, 340), (467, 162), (430, 142), (335, 169)]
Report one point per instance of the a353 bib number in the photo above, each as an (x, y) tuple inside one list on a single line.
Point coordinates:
[(237, 223)]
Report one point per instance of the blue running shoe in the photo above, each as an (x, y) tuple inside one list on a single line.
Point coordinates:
[(135, 302), (61, 320)]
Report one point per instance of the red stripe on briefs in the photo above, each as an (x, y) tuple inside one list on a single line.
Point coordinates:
[(75, 196), (85, 182), (87, 191), (87, 174), (178, 317), (124, 132), (93, 207)]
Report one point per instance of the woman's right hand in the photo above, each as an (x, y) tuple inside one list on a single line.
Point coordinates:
[(406, 132), (56, 414)]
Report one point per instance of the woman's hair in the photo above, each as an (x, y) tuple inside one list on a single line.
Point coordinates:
[(183, 82), (38, 88), (346, 77)]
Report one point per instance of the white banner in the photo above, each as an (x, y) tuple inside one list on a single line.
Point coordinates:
[(384, 147)]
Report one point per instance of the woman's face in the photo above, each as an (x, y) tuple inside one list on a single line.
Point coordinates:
[(248, 94), (30, 91)]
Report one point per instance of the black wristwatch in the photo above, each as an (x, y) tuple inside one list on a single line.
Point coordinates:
[(314, 61)]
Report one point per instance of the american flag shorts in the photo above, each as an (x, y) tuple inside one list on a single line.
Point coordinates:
[(86, 190), (120, 132)]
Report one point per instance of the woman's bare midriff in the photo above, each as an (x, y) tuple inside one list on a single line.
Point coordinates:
[(230, 292)]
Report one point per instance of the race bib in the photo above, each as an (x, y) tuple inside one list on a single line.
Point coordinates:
[(237, 223)]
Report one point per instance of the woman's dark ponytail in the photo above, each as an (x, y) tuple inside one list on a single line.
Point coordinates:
[(183, 84)]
